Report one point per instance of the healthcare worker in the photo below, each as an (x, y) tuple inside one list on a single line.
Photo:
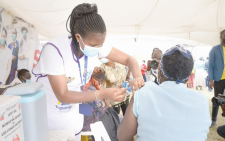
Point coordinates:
[(67, 62), (5, 58), (24, 51)]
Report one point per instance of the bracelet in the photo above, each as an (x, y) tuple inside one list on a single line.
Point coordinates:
[(96, 95)]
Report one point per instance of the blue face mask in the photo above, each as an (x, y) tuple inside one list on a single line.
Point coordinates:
[(27, 80), (2, 41), (24, 33), (104, 60), (89, 51), (14, 37)]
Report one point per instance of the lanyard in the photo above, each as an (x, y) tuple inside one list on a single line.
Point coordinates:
[(85, 68)]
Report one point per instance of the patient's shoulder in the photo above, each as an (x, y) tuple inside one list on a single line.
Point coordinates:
[(150, 87)]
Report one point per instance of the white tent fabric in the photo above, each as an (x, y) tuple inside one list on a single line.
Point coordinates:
[(199, 20)]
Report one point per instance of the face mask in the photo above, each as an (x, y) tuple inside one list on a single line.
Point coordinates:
[(14, 37), (27, 81), (104, 60), (89, 51), (24, 33), (2, 41)]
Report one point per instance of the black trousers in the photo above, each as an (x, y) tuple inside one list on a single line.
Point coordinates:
[(219, 87), (123, 107), (221, 131)]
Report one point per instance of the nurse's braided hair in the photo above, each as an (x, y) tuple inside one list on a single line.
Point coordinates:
[(85, 19)]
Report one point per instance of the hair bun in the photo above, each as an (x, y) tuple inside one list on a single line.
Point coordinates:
[(84, 9)]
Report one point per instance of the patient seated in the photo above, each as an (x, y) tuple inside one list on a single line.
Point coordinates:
[(170, 111)]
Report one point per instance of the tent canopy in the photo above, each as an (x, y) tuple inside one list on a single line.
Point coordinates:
[(199, 20)]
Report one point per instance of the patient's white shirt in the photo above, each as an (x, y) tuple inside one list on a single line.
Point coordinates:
[(171, 112)]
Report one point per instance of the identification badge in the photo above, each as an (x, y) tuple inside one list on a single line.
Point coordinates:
[(85, 109)]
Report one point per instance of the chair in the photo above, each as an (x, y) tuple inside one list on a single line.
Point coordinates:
[(99, 131)]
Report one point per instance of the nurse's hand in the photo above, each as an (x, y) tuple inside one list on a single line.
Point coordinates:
[(115, 94), (137, 83)]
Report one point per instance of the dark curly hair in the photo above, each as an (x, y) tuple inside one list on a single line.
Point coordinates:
[(22, 72), (177, 66), (84, 20)]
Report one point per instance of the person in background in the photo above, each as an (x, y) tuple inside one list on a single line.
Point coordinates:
[(115, 76), (23, 62), (191, 79), (148, 73), (14, 47), (168, 112), (96, 82), (143, 70), (5, 58), (207, 77), (200, 73), (217, 72), (24, 76), (153, 73)]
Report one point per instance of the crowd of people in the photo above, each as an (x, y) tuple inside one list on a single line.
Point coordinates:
[(160, 107)]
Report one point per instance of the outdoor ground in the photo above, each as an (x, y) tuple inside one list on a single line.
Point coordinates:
[(212, 135)]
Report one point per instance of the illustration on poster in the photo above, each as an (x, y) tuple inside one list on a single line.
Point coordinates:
[(19, 46), (5, 57), (23, 62), (14, 47)]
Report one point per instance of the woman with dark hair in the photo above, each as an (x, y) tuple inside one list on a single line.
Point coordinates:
[(5, 58), (170, 111), (75, 55)]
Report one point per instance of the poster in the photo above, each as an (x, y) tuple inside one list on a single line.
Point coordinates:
[(19, 46), (11, 123)]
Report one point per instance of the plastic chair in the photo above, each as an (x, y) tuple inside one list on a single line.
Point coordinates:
[(99, 131)]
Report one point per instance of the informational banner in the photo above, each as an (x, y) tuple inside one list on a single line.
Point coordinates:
[(11, 123), (19, 46)]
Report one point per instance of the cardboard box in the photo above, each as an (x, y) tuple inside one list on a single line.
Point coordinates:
[(11, 123)]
